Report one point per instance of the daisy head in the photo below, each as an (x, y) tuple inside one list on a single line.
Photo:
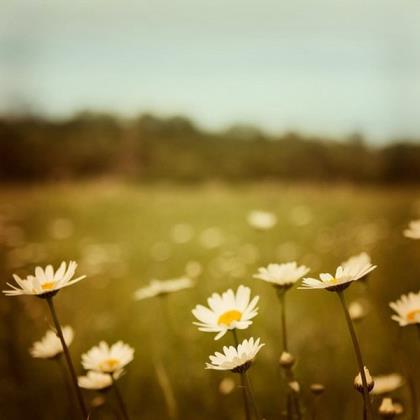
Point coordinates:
[(236, 359), (340, 280), (407, 309), (46, 282), (50, 346), (227, 311), (385, 384), (108, 359), (413, 230), (262, 220), (161, 288), (357, 262), (282, 275), (97, 381)]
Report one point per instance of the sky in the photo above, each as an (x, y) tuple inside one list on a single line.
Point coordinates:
[(324, 67)]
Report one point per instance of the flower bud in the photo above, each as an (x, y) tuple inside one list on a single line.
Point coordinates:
[(387, 409), (286, 360), (358, 383), (294, 386), (317, 389)]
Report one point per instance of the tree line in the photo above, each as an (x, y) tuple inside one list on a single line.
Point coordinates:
[(151, 148)]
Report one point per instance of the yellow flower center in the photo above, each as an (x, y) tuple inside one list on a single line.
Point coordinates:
[(48, 286), (412, 315), (109, 365), (228, 317)]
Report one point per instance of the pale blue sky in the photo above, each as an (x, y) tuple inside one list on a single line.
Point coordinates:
[(319, 66)]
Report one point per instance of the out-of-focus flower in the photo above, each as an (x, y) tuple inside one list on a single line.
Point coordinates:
[(385, 384), (387, 409), (97, 380), (407, 308), (356, 263), (358, 383), (282, 275), (286, 360), (226, 386), (160, 288), (182, 233), (193, 269), (50, 346), (236, 359), (413, 231), (262, 220), (211, 237), (317, 389), (294, 386), (357, 310), (227, 311), (45, 281), (342, 278), (108, 359)]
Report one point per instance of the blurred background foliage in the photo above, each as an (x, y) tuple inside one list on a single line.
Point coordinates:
[(151, 148)]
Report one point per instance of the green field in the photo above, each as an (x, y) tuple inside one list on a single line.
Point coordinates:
[(124, 235)]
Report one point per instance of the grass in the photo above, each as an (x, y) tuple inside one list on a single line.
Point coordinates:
[(123, 235)]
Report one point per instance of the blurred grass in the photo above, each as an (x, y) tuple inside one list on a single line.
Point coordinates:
[(124, 235)]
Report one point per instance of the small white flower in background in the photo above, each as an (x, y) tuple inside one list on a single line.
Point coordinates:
[(262, 220), (407, 308), (282, 275), (357, 310), (50, 345), (387, 409), (358, 383), (413, 231), (236, 359), (160, 288), (97, 380), (342, 278), (384, 384), (108, 359), (357, 262), (227, 311), (45, 281), (294, 386)]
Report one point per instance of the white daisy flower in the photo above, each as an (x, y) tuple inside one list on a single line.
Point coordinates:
[(97, 380), (106, 359), (262, 220), (387, 409), (357, 262), (236, 359), (50, 345), (227, 311), (407, 308), (282, 275), (45, 282), (358, 382), (384, 384), (342, 278), (413, 230), (159, 288)]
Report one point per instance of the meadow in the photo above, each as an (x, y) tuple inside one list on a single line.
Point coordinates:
[(123, 235)]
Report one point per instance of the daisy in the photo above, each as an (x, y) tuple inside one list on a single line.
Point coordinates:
[(236, 359), (50, 345), (262, 220), (357, 262), (384, 384), (97, 380), (413, 230), (387, 409), (342, 278), (227, 311), (46, 282), (106, 359), (407, 308), (160, 288), (282, 275), (358, 382)]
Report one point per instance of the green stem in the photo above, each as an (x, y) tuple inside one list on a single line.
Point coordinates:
[(358, 353), (65, 376), (120, 399), (245, 397), (282, 298), (251, 394), (68, 358)]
